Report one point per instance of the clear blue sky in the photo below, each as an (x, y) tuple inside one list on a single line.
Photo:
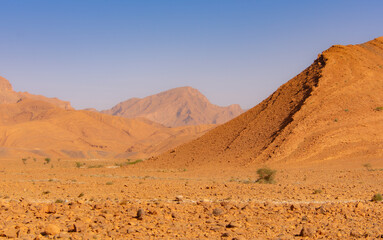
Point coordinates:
[(97, 53)]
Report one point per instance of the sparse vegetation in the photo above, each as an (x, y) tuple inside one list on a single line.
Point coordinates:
[(24, 161), (377, 198), (96, 166), (129, 162), (248, 181), (232, 179), (46, 192), (317, 191), (47, 160), (109, 183), (59, 201), (34, 159), (245, 181), (367, 166), (79, 164), (378, 109), (266, 175), (81, 195)]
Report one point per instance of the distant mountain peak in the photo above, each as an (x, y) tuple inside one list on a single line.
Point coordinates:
[(176, 107)]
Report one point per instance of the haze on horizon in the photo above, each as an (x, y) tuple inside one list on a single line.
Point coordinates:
[(99, 53)]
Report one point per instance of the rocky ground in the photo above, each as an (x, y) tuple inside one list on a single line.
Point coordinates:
[(99, 200)]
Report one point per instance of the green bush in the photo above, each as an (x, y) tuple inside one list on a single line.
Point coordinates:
[(377, 197), (129, 162), (79, 164), (266, 175)]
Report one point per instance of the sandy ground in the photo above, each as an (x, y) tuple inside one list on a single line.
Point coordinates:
[(102, 201)]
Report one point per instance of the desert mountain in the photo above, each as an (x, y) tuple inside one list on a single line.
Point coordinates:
[(8, 95), (176, 107), (36, 126), (331, 111)]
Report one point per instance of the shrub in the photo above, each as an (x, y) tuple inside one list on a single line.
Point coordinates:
[(379, 109), (109, 183), (81, 195), (129, 162), (266, 175), (78, 164), (367, 166), (96, 166), (47, 160), (317, 191), (377, 197), (24, 161)]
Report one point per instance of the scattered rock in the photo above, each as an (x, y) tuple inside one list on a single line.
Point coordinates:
[(179, 198), (11, 232), (307, 232), (51, 208), (225, 234), (359, 205), (233, 225), (217, 211), (284, 237), (140, 214), (52, 229), (97, 206)]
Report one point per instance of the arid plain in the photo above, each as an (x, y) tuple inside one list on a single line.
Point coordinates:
[(321, 132)]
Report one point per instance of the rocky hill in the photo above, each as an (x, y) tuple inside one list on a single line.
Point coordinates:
[(8, 95)]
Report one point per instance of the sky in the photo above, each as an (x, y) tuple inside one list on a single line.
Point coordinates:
[(97, 53)]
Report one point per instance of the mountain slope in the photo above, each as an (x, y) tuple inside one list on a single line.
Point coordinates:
[(330, 111), (8, 95), (176, 107), (37, 128)]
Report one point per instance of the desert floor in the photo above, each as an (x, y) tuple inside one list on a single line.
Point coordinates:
[(95, 199)]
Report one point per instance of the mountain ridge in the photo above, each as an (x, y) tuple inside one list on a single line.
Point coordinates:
[(8, 95), (37, 128)]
